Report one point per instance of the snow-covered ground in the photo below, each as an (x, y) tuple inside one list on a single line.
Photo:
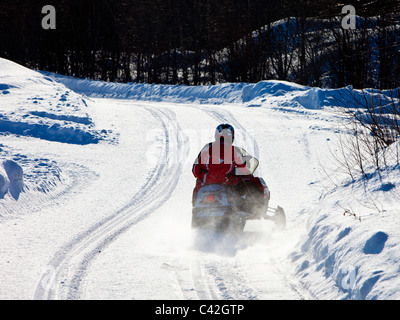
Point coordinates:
[(103, 208)]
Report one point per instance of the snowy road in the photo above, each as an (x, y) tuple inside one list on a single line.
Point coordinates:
[(121, 229)]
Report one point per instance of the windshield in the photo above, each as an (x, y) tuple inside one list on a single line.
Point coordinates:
[(250, 161)]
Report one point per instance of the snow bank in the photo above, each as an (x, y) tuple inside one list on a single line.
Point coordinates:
[(352, 249), (269, 93), (32, 104), (141, 91), (248, 93)]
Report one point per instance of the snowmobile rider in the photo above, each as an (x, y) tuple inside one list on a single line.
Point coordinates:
[(220, 162)]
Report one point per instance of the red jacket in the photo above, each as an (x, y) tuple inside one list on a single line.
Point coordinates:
[(220, 163)]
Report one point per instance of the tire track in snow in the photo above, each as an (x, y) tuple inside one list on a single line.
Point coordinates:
[(207, 280), (193, 283), (70, 264), (293, 284)]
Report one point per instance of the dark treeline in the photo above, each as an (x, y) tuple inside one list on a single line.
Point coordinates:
[(208, 41)]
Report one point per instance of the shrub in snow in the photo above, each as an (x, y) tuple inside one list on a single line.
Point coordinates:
[(15, 176)]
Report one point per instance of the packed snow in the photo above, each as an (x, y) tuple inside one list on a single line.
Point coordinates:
[(96, 182)]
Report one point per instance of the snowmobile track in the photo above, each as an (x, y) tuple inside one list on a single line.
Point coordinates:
[(225, 283), (64, 277)]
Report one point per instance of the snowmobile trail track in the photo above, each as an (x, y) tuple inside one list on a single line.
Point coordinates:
[(223, 280), (192, 281), (64, 278)]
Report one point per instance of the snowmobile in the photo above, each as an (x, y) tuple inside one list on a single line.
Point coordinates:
[(222, 207)]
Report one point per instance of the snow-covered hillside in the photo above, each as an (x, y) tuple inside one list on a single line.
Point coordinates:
[(104, 206)]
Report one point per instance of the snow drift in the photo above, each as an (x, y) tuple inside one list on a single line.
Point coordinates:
[(250, 94), (35, 105), (270, 93)]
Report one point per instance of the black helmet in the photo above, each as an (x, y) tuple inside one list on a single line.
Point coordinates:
[(225, 131)]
